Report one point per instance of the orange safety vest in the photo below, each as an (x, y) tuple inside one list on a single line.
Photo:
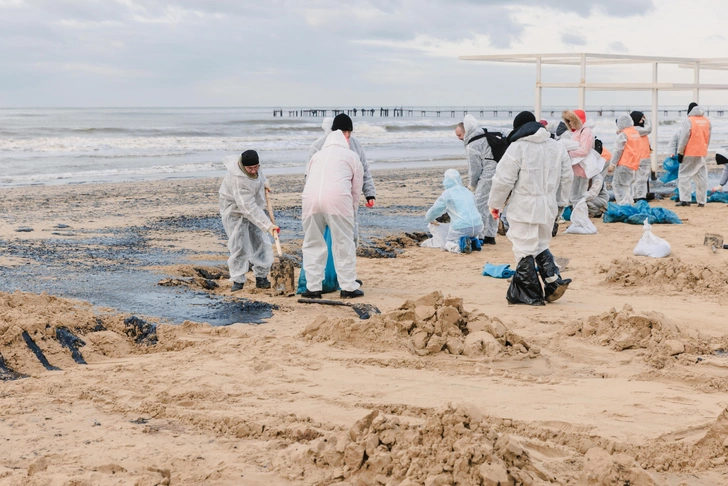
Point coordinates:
[(644, 147), (606, 154), (632, 153), (699, 136)]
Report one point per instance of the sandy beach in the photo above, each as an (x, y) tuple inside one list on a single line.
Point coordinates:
[(622, 381)]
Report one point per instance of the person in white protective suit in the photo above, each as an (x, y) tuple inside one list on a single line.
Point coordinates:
[(536, 171), (597, 197), (242, 203), (692, 148), (343, 122), (465, 221), (481, 167), (644, 127), (330, 197), (581, 133), (625, 160)]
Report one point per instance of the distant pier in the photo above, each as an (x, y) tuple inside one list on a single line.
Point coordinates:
[(460, 111)]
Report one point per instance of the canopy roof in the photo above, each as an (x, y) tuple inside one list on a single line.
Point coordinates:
[(585, 59)]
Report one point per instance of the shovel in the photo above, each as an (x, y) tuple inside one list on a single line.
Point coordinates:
[(282, 273), (713, 241), (364, 311)]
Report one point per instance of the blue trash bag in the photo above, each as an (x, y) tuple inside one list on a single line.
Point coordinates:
[(331, 282), (721, 197), (638, 213), (566, 214), (671, 166)]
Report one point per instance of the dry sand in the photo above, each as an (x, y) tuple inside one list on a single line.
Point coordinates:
[(622, 381)]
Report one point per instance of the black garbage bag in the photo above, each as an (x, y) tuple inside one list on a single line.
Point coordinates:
[(554, 286), (525, 286)]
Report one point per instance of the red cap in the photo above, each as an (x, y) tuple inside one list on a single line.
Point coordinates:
[(581, 115)]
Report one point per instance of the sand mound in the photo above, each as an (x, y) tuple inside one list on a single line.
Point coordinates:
[(429, 325), (661, 339), (42, 332), (669, 272), (455, 445)]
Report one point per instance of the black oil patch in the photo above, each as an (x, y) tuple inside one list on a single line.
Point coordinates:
[(72, 342), (140, 331), (6, 374), (38, 352)]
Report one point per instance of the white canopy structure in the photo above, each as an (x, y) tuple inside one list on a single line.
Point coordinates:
[(590, 59)]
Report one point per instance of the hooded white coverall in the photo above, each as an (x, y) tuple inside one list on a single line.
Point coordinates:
[(481, 168), (242, 203), (459, 203), (624, 177), (692, 168), (368, 187), (330, 197), (538, 171)]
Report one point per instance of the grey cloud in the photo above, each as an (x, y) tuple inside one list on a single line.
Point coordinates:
[(573, 39), (618, 46), (615, 8)]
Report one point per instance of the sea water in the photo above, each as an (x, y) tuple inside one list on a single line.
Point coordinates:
[(74, 145)]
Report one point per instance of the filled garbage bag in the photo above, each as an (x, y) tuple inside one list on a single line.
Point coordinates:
[(671, 166), (439, 236), (651, 245), (580, 222), (637, 213), (331, 282)]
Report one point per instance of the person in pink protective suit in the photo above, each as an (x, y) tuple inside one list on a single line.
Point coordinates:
[(330, 197), (581, 133)]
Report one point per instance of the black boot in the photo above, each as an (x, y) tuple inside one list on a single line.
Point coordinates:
[(525, 286), (554, 286), (262, 283)]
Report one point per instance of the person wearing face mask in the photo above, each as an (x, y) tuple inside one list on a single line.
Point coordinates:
[(691, 151), (625, 160), (242, 204)]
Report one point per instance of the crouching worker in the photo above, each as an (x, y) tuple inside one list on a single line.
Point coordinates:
[(242, 200), (536, 170), (465, 220)]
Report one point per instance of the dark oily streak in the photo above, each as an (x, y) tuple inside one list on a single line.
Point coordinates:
[(72, 342), (38, 353), (6, 374)]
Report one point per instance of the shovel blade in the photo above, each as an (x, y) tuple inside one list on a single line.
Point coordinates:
[(282, 275), (365, 311)]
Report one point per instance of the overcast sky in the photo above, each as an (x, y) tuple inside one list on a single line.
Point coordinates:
[(333, 53)]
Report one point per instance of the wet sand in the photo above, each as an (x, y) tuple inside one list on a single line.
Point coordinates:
[(623, 379)]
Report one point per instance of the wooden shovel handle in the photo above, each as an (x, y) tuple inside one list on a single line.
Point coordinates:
[(273, 220)]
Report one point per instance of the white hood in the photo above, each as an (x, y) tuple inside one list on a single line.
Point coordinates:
[(336, 138), (232, 163)]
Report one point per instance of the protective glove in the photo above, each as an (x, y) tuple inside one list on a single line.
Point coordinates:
[(273, 230), (717, 189), (472, 188), (611, 168), (370, 202), (680, 158), (494, 212)]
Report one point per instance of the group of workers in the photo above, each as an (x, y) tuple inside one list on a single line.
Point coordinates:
[(545, 168)]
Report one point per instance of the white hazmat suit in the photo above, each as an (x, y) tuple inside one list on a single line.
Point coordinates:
[(481, 168), (538, 171), (624, 177), (242, 203), (330, 197), (459, 203), (692, 168), (639, 189)]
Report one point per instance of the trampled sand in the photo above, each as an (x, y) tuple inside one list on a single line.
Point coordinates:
[(623, 381)]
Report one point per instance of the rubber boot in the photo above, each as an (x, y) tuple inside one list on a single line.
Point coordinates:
[(525, 286), (554, 286), (475, 244), (464, 243)]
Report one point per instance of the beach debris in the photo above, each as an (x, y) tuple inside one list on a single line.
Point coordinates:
[(62, 226), (713, 241), (141, 331), (23, 229), (72, 343), (364, 311), (211, 273), (390, 246), (196, 282), (38, 352)]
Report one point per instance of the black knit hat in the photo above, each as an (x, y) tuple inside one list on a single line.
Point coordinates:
[(342, 122), (637, 117), (522, 118), (249, 158), (691, 106)]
